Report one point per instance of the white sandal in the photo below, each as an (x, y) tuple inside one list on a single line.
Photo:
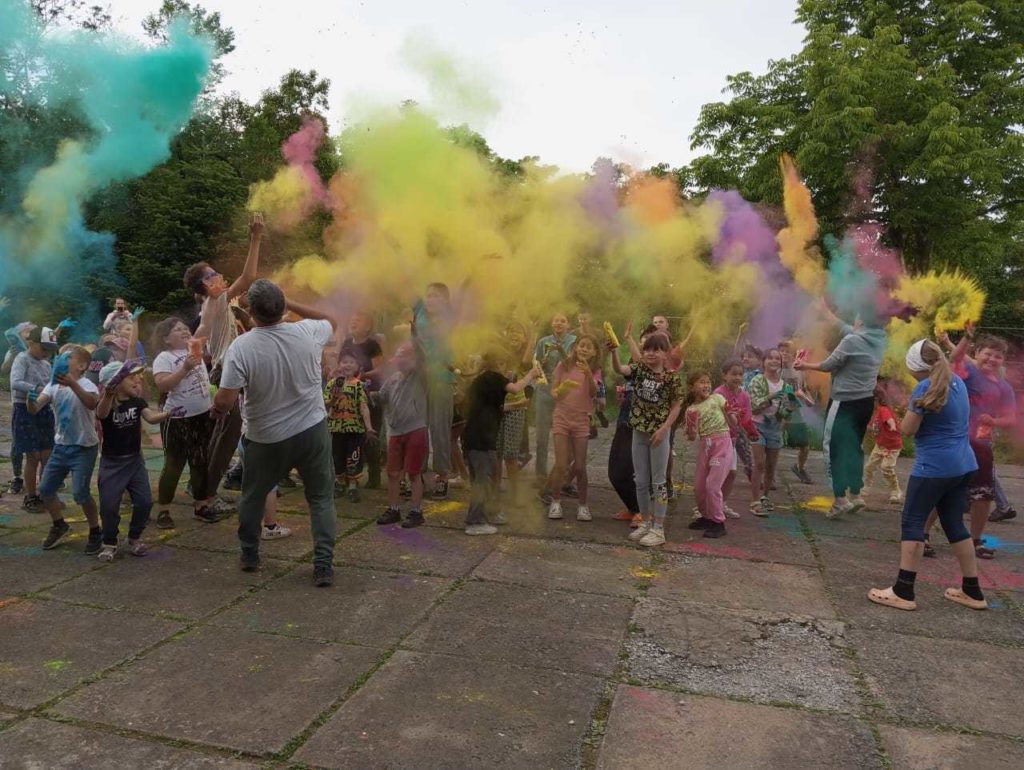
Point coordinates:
[(958, 596)]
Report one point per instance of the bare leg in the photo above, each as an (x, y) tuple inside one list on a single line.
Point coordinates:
[(979, 517), (757, 479), (416, 482), (964, 552), (771, 459), (579, 452), (394, 497)]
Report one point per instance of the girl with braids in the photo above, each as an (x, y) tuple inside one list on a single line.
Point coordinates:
[(938, 417)]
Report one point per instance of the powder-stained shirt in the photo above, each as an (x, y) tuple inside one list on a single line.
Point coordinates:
[(551, 351), (711, 416), (738, 402), (344, 402), (855, 362), (993, 397), (404, 398), (769, 397), (577, 403), (653, 396), (219, 323), (76, 424)]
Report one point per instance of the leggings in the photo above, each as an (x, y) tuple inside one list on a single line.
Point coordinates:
[(843, 443), (948, 497), (186, 440), (620, 466), (649, 465)]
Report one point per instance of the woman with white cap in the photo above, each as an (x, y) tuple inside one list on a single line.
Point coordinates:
[(937, 417)]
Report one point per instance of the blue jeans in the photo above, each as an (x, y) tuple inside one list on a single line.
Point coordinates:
[(650, 464), (76, 460)]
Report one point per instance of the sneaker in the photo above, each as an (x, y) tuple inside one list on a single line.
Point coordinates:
[(206, 514), (323, 576), (164, 520), (730, 513), (339, 490), (33, 504), (287, 481), (602, 418), (801, 474), (456, 482), (623, 515), (233, 482), (641, 531), (570, 491), (839, 506), (58, 530), (700, 523), (222, 507), (136, 547), (353, 494), (481, 529), (583, 514), (440, 490), (896, 498), (16, 485), (94, 543), (499, 518), (404, 489), (249, 562), (715, 529), (1006, 515), (655, 536), (638, 521), (390, 516), (555, 510), (758, 508), (857, 503), (107, 552), (766, 504), (275, 532), (414, 519)]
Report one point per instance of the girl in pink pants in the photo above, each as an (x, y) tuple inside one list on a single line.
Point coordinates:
[(708, 421)]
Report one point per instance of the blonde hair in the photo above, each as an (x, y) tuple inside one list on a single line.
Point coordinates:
[(939, 375)]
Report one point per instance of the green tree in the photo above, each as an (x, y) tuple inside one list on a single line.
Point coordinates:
[(924, 99)]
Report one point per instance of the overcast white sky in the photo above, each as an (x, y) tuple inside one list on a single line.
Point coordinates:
[(575, 80)]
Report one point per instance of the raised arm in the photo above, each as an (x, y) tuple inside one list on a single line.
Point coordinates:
[(617, 365), (523, 382), (252, 260), (307, 311)]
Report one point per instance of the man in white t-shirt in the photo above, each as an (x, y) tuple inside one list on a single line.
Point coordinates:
[(217, 325), (278, 365)]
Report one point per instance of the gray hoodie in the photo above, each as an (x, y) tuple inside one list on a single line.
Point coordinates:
[(855, 362)]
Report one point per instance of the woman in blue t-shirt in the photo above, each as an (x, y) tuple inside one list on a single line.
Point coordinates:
[(943, 466)]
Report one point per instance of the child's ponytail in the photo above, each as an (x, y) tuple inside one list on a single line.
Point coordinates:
[(940, 375)]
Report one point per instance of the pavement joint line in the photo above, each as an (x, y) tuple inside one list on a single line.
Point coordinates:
[(300, 739), (187, 628), (870, 705)]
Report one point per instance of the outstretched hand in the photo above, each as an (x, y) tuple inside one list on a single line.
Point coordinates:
[(256, 225), (137, 312), (67, 323)]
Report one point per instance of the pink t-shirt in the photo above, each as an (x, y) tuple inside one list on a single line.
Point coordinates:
[(736, 401), (577, 403)]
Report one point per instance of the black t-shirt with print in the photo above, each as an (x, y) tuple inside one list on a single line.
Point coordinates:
[(653, 396), (483, 417), (122, 428)]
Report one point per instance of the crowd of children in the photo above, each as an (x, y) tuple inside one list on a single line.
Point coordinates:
[(389, 412)]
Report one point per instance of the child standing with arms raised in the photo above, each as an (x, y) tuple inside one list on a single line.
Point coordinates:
[(574, 389), (121, 410), (657, 401), (74, 398), (707, 421)]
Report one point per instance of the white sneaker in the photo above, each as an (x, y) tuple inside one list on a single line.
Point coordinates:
[(456, 481), (107, 553), (481, 529), (555, 510), (137, 547), (499, 518), (641, 531), (583, 514), (730, 513), (839, 506), (656, 536), (896, 497), (857, 503), (275, 533)]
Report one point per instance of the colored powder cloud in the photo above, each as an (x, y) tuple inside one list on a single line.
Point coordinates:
[(296, 190)]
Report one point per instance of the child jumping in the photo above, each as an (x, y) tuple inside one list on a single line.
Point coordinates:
[(574, 388), (888, 444), (657, 401), (349, 421), (707, 420), (74, 398), (121, 410)]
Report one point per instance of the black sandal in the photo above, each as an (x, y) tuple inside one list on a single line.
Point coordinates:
[(981, 551), (929, 549)]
